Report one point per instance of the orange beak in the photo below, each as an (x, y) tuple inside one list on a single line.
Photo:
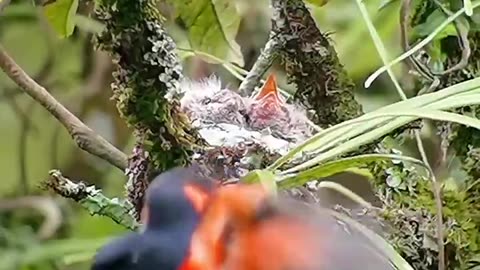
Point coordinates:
[(268, 95)]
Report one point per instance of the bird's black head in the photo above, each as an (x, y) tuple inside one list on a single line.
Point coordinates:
[(173, 196), (172, 214)]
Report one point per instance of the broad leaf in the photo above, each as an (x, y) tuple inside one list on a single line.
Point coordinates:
[(212, 26), (61, 15), (433, 20)]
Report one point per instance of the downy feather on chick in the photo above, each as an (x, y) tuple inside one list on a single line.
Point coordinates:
[(264, 117)]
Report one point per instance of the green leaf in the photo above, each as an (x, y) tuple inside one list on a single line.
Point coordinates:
[(365, 137), (212, 26), (317, 3), (338, 166), (61, 15), (265, 177), (433, 20), (353, 133), (418, 46)]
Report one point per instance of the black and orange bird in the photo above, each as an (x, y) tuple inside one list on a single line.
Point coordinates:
[(170, 215), (191, 223)]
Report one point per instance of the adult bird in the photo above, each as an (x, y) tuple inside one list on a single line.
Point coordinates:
[(193, 224), (170, 215)]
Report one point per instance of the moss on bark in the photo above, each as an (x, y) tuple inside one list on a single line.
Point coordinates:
[(311, 63), (145, 88)]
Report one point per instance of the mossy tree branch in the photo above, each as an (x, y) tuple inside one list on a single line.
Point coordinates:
[(147, 79), (146, 90), (92, 199), (311, 63)]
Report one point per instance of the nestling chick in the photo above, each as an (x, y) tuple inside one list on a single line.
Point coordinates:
[(268, 110), (206, 103)]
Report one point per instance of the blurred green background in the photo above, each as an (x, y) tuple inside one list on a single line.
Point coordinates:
[(32, 142)]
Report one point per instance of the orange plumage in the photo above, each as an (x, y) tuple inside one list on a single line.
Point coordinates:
[(193, 226), (243, 228)]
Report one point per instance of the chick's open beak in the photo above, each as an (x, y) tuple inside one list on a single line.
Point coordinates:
[(268, 95)]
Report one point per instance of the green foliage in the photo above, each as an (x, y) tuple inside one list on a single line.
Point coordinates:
[(411, 209), (61, 15), (340, 165), (433, 20), (38, 254), (264, 177), (212, 26)]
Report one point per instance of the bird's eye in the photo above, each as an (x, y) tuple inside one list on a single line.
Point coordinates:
[(206, 101)]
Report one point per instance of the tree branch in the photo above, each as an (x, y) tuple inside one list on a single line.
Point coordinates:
[(84, 137), (263, 63), (92, 199), (311, 62)]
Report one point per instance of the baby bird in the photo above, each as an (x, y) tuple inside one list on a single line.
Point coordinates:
[(206, 102), (264, 118), (267, 110)]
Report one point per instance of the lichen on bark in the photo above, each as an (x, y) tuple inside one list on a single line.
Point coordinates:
[(311, 63), (147, 78), (409, 206), (145, 86)]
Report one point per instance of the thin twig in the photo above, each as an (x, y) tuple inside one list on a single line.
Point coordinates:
[(438, 202), (462, 38), (423, 70), (462, 42), (92, 199), (264, 61), (85, 138)]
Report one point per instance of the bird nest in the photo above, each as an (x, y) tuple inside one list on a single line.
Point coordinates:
[(243, 133)]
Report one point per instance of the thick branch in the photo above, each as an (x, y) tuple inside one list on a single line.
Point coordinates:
[(92, 199), (311, 62), (83, 136)]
